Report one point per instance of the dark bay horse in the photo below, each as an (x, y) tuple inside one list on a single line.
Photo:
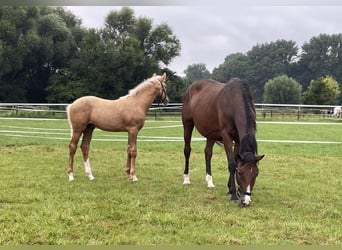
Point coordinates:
[(223, 113), (127, 113)]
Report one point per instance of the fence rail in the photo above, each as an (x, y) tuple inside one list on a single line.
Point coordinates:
[(264, 111)]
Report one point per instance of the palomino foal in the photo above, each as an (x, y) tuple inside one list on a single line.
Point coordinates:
[(127, 113)]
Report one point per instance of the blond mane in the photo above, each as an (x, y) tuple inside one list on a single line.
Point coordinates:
[(142, 86)]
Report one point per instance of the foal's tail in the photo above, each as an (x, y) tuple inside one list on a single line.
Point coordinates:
[(69, 121)]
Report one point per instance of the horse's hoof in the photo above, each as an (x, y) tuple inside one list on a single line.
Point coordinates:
[(134, 179), (91, 177), (71, 176)]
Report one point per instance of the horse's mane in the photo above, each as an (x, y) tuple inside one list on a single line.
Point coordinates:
[(248, 142), (249, 106), (143, 85)]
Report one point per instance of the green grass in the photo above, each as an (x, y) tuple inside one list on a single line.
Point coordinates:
[(296, 198)]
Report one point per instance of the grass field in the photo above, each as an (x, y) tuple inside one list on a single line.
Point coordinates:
[(296, 199)]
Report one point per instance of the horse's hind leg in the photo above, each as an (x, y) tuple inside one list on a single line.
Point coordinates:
[(72, 150), (188, 128), (87, 134), (208, 152)]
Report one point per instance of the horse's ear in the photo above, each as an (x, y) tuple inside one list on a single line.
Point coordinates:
[(164, 76), (259, 157), (154, 74)]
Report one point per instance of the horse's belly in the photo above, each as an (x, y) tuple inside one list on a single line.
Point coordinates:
[(206, 129)]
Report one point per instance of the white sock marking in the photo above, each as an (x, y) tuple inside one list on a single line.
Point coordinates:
[(186, 179), (209, 180), (88, 170), (71, 176)]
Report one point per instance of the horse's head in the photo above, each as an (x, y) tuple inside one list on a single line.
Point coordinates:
[(246, 173), (162, 94)]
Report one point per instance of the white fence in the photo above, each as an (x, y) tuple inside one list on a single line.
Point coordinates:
[(264, 111)]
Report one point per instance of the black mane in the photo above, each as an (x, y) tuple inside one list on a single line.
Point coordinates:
[(248, 142)]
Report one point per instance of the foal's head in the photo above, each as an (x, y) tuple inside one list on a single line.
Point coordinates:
[(246, 173), (162, 94)]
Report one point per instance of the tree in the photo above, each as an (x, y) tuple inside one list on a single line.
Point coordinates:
[(322, 91), (282, 89), (36, 42), (321, 56), (196, 71), (257, 66), (235, 65), (267, 61), (112, 60), (175, 85)]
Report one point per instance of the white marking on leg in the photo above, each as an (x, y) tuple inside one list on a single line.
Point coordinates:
[(71, 176), (209, 180), (88, 170), (186, 179), (134, 178)]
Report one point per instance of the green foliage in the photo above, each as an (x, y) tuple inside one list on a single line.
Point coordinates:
[(195, 72), (321, 57), (46, 56), (282, 89), (322, 91), (114, 59), (235, 65), (257, 66), (36, 42)]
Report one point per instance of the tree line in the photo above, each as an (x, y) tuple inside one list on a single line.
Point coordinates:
[(281, 72), (47, 56)]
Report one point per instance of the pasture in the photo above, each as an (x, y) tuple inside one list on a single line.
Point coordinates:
[(296, 199)]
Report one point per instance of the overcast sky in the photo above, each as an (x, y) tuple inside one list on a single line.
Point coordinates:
[(209, 33)]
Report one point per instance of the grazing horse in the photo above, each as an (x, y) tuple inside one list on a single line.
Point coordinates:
[(223, 113), (127, 113)]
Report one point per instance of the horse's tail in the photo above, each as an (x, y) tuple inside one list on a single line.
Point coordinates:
[(69, 121)]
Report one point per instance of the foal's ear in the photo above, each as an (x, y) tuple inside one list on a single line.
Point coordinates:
[(164, 76), (259, 157), (154, 74)]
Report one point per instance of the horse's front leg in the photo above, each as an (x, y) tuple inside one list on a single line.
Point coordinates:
[(128, 163), (131, 155), (228, 146), (231, 180), (208, 152)]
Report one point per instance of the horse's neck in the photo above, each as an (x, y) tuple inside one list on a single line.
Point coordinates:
[(145, 98)]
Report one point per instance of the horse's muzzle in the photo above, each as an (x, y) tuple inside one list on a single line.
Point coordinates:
[(245, 203), (165, 101)]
